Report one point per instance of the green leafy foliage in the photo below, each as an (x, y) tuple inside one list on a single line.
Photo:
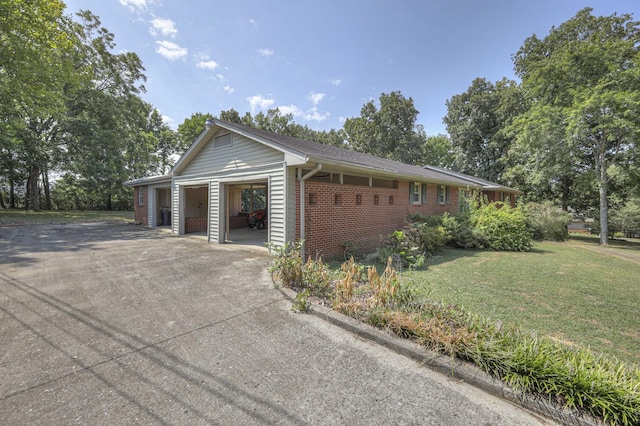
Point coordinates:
[(403, 247), (502, 227), (288, 268), (547, 222), (477, 121), (582, 80)]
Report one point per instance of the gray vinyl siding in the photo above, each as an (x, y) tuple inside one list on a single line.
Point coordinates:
[(214, 211), (277, 207), (175, 207), (291, 204), (243, 154), (150, 206)]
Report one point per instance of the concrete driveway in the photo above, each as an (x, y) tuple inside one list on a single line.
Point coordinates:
[(116, 324)]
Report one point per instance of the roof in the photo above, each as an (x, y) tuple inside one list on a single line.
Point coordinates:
[(308, 152), (321, 153), (147, 180)]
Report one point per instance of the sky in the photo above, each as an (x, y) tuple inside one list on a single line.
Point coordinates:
[(322, 60)]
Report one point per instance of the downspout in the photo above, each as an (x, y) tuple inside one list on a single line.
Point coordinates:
[(302, 179)]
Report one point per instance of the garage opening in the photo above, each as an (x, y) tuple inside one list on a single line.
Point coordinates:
[(163, 207), (247, 213), (196, 209)]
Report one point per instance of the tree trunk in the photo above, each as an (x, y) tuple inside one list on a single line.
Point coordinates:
[(47, 190), (601, 169), (12, 193), (34, 194), (2, 205)]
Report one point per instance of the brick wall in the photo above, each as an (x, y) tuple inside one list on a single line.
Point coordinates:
[(141, 212), (340, 213), (195, 224)]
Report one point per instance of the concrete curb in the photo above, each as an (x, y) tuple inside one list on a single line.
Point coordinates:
[(461, 370)]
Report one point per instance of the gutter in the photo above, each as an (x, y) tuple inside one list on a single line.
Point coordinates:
[(302, 179)]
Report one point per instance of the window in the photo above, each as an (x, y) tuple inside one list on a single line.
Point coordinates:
[(390, 199), (376, 199), (358, 199), (337, 199), (417, 193), (141, 196), (312, 198), (443, 194), (224, 140)]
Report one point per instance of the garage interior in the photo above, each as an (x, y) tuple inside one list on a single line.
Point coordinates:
[(244, 198)]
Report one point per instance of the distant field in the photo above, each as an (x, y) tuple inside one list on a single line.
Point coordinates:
[(576, 292), (22, 217)]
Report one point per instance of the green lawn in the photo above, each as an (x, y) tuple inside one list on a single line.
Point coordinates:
[(576, 292), (22, 217)]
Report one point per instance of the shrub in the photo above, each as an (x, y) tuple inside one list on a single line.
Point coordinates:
[(286, 264), (403, 247), (547, 222), (431, 238), (288, 267), (505, 228)]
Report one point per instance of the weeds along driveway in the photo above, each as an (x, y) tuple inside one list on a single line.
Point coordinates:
[(116, 324)]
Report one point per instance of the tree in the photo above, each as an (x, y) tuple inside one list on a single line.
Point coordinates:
[(191, 128), (477, 122), (583, 80), (389, 132), (438, 151), (35, 48)]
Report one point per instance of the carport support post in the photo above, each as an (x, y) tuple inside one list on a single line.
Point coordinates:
[(302, 179)]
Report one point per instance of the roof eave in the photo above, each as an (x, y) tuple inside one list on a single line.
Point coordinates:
[(148, 180)]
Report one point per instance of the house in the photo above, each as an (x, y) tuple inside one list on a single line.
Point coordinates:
[(321, 194)]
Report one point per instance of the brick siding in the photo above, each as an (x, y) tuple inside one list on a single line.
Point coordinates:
[(335, 216), (141, 212)]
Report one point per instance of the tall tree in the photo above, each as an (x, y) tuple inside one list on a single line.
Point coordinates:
[(387, 132), (191, 128), (438, 151), (35, 47), (477, 123), (587, 72)]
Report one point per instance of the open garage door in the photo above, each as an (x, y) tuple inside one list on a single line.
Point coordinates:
[(247, 216)]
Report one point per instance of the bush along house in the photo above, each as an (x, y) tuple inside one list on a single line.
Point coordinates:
[(323, 195)]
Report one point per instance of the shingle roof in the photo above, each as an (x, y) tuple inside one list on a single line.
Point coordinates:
[(317, 152)]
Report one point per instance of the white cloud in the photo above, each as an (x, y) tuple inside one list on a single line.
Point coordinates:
[(208, 65), (315, 98), (166, 27), (220, 77), (134, 4), (259, 102), (290, 109), (171, 50), (253, 23), (336, 82), (266, 52), (314, 115), (228, 89)]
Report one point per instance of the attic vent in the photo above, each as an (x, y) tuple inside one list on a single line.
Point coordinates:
[(224, 140)]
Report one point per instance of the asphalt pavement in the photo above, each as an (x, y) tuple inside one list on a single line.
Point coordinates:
[(118, 324)]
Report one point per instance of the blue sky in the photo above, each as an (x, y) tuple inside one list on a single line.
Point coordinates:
[(322, 60)]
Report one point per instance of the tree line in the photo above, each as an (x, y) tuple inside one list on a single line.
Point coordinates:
[(75, 127)]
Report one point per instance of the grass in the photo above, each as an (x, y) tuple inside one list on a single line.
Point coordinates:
[(577, 293), (23, 217)]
